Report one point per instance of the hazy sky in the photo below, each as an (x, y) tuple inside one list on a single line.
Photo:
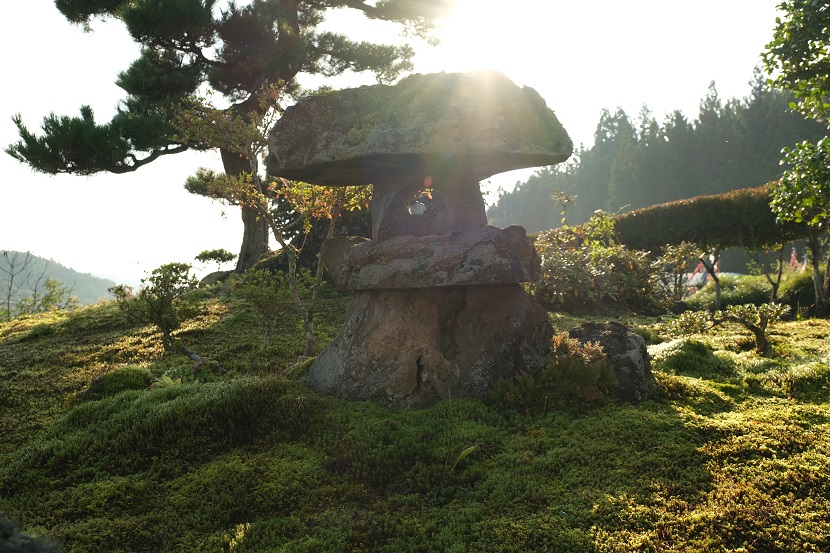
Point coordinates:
[(580, 56)]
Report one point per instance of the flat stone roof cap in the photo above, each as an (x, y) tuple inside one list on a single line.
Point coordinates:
[(481, 123)]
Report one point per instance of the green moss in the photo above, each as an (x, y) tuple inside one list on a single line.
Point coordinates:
[(119, 380), (733, 456), (692, 358)]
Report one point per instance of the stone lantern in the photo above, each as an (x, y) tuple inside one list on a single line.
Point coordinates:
[(437, 308)]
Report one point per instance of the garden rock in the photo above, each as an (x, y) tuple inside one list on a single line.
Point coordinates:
[(626, 352), (477, 255), (214, 277)]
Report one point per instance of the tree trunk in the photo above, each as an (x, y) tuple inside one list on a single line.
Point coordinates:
[(775, 283), (814, 246), (255, 229), (254, 239), (826, 283), (762, 344), (710, 268)]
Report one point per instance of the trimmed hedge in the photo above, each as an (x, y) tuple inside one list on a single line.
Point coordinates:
[(737, 218)]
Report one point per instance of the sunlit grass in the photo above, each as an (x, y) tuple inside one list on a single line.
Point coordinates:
[(732, 455)]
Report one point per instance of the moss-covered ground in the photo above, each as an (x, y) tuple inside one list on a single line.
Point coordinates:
[(733, 455)]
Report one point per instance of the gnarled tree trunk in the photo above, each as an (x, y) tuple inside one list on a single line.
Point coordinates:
[(255, 229), (254, 239)]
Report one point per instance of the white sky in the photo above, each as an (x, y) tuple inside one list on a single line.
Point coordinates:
[(580, 56)]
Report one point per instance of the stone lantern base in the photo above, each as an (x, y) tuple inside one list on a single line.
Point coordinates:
[(415, 347)]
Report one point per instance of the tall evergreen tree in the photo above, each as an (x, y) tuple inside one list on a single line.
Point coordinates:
[(235, 48), (613, 133), (729, 146)]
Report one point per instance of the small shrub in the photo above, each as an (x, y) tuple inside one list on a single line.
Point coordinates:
[(219, 257), (799, 293), (735, 290), (754, 318), (576, 373), (162, 300), (584, 269)]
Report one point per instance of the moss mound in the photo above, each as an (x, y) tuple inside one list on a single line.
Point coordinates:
[(733, 456)]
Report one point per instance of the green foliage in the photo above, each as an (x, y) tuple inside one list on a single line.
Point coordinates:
[(802, 195), (797, 55), (798, 292), (735, 290), (53, 357), (755, 318), (575, 374), (247, 134), (236, 49), (676, 263), (162, 300), (103, 146), (219, 257), (117, 381), (583, 268), (250, 51), (809, 381), (53, 295), (266, 294), (691, 358), (736, 218), (638, 162)]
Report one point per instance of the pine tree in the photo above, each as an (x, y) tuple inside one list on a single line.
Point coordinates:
[(235, 48), (729, 146)]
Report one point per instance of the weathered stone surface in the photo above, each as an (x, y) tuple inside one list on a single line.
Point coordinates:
[(626, 352), (477, 255), (416, 347), (214, 277), (437, 311), (478, 124), (456, 204)]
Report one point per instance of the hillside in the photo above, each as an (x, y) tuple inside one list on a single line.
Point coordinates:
[(87, 288), (240, 456)]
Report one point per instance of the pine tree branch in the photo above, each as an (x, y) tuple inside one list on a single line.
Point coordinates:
[(140, 162)]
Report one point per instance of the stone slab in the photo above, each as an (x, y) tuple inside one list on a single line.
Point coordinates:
[(480, 123), (473, 256)]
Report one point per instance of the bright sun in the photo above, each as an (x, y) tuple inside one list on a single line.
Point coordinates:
[(484, 34)]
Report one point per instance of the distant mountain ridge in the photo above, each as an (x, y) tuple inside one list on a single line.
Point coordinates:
[(86, 287)]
